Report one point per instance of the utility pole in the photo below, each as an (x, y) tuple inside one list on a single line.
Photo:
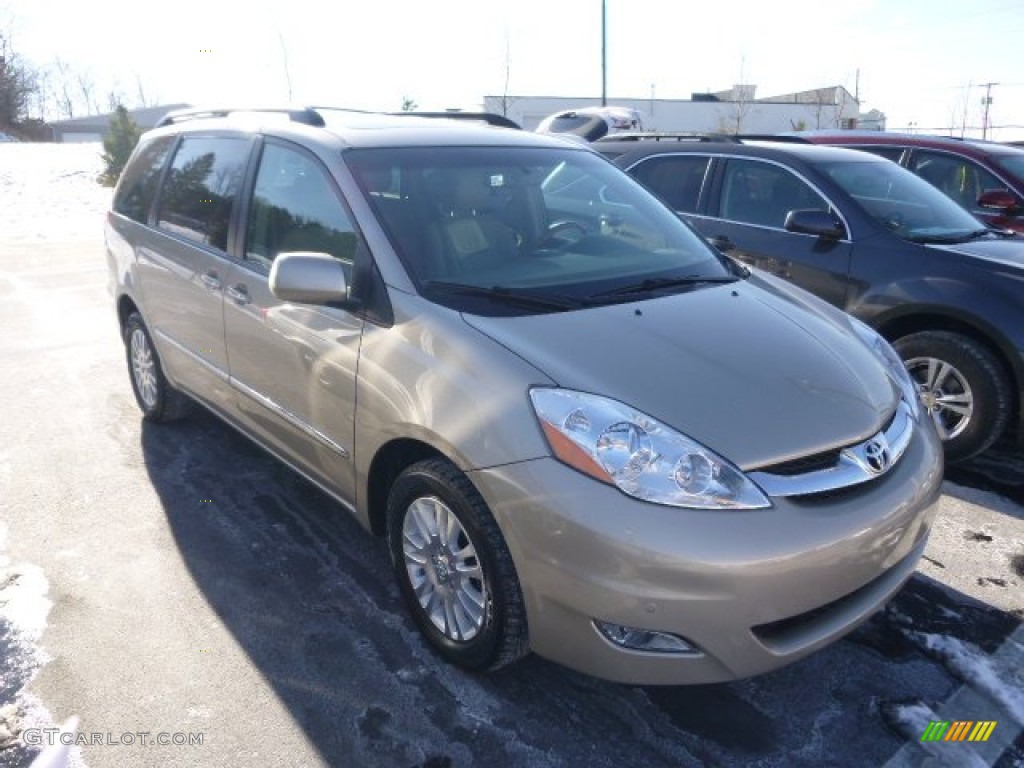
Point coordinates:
[(987, 102), (604, 55)]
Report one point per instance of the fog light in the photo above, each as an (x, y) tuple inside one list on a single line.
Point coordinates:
[(644, 639)]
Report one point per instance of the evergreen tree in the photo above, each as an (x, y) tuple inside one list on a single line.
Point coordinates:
[(17, 84), (118, 145)]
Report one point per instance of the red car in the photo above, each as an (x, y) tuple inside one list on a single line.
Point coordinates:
[(985, 177)]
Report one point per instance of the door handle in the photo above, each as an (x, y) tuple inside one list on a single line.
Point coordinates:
[(722, 243), (211, 281), (239, 294)]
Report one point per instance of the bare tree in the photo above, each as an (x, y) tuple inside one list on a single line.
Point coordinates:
[(409, 104), (741, 106), (284, 64), (142, 99), (87, 89), (506, 101), (63, 93)]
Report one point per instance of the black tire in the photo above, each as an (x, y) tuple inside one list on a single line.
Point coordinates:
[(976, 376), (498, 635), (158, 400)]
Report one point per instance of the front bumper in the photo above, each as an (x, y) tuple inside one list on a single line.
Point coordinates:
[(751, 590)]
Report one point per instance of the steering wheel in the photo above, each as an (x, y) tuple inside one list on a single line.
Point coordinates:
[(557, 230)]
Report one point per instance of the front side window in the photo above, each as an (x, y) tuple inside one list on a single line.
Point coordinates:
[(676, 179), (294, 208), (522, 225), (1012, 164), (200, 191), (958, 178), (902, 202), (137, 189), (755, 192)]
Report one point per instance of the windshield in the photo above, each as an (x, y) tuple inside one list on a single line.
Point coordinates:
[(557, 224), (1013, 164), (901, 201)]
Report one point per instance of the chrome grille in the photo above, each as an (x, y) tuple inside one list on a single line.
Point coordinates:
[(854, 464)]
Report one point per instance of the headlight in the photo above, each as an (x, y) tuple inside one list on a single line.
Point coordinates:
[(897, 371), (638, 454)]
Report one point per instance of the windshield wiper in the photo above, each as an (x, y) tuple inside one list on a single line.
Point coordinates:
[(960, 237), (651, 284), (506, 295)]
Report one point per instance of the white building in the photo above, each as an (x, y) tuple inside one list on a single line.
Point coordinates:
[(96, 127), (732, 111)]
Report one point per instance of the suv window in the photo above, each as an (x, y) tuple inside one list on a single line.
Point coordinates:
[(295, 208), (138, 184), (200, 191), (675, 179), (755, 192), (960, 179), (889, 153)]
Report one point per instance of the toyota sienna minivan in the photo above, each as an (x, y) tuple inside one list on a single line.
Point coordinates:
[(584, 432)]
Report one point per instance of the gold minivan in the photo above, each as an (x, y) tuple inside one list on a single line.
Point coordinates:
[(584, 432)]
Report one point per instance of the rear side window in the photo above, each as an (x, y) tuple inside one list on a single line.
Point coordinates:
[(138, 184), (676, 179), (889, 153), (294, 208), (199, 194)]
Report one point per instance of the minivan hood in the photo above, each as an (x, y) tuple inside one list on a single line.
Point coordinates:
[(752, 372), (1008, 252)]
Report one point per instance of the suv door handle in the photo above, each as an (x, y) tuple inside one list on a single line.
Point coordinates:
[(722, 243), (211, 281), (239, 294)]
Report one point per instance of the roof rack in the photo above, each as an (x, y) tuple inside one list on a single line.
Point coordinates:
[(306, 115), (670, 136), (491, 118), (311, 115)]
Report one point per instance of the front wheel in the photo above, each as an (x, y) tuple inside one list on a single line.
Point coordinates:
[(963, 388), (454, 569)]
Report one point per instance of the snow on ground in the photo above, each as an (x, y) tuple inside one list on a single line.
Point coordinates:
[(24, 607), (63, 178), (969, 663)]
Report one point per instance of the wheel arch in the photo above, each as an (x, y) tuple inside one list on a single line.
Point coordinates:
[(125, 307), (387, 464), (896, 325)]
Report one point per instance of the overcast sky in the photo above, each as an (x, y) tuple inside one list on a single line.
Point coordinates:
[(919, 61)]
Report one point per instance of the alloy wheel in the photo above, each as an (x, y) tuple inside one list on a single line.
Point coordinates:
[(144, 368), (945, 394), (444, 569)]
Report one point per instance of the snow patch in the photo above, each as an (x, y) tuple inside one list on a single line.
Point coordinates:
[(24, 608), (50, 191), (975, 668)]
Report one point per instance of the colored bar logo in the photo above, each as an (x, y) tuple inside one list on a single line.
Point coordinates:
[(958, 730)]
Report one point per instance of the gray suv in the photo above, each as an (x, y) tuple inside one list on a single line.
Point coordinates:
[(583, 431)]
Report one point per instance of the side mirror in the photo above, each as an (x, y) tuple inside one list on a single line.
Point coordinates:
[(998, 200), (815, 222), (308, 278)]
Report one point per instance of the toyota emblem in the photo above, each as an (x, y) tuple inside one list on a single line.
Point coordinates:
[(876, 453)]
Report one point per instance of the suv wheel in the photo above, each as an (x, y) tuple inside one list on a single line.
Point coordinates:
[(454, 569), (158, 400), (963, 388)]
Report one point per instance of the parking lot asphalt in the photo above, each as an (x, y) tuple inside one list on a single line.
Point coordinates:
[(200, 587)]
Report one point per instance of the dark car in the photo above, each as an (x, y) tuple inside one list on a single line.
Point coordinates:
[(985, 177), (875, 240)]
